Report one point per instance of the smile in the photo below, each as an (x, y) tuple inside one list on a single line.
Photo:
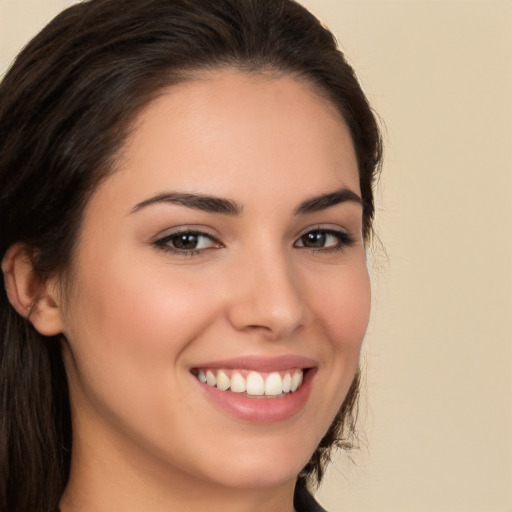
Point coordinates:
[(251, 383)]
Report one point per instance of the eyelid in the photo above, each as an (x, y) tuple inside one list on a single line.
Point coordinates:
[(182, 229), (327, 228)]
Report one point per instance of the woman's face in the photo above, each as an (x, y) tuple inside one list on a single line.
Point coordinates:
[(226, 247)]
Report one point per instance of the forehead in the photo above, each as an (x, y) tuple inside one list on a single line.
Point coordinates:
[(225, 129)]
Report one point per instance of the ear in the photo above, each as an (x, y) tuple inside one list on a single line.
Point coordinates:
[(33, 298)]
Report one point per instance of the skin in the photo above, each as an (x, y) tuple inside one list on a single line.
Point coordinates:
[(137, 317)]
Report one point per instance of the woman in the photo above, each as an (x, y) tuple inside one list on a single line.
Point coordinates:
[(186, 195)]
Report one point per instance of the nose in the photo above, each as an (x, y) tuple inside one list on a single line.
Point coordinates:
[(267, 297)]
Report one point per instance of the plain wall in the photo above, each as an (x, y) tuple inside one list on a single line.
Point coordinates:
[(438, 356)]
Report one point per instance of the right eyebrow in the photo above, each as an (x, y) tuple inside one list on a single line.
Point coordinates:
[(205, 203)]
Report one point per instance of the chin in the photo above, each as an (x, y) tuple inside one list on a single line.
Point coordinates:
[(268, 475), (262, 463)]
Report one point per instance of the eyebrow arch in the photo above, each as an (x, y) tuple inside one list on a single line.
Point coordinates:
[(196, 201), (325, 201)]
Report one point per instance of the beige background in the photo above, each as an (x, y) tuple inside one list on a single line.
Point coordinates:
[(438, 416)]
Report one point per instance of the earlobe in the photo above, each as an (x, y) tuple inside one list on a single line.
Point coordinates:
[(32, 297)]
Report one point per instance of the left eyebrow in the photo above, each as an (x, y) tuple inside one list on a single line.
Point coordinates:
[(209, 204), (325, 201)]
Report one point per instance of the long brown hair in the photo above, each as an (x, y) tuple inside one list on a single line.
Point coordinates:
[(66, 107)]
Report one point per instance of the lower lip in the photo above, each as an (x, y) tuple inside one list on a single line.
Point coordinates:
[(260, 409)]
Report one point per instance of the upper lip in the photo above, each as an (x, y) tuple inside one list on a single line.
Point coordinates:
[(261, 363)]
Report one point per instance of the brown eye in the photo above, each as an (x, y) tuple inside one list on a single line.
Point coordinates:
[(324, 239), (187, 242), (314, 239)]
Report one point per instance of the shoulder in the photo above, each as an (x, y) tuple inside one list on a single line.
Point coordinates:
[(304, 502)]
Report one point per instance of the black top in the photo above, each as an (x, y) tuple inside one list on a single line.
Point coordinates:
[(304, 502)]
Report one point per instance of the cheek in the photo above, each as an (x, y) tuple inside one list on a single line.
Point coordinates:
[(343, 307), (142, 307), (340, 300), (127, 326)]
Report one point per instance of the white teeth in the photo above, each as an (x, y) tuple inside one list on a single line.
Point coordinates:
[(238, 383), (210, 378), (274, 384), (255, 384), (296, 380), (223, 381), (287, 383)]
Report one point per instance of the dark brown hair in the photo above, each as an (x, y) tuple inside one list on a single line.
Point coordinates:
[(66, 107)]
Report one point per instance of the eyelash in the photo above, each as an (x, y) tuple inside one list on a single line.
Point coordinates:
[(343, 240)]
